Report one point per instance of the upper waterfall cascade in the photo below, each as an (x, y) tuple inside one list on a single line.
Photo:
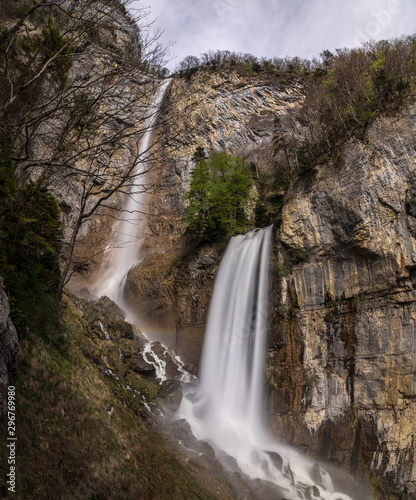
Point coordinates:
[(227, 408), (123, 250)]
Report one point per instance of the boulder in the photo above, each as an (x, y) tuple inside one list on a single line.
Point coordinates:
[(171, 392), (123, 329), (109, 309), (140, 365)]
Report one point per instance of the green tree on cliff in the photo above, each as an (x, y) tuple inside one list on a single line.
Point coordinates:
[(218, 196)]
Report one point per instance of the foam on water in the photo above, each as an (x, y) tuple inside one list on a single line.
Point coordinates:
[(228, 407)]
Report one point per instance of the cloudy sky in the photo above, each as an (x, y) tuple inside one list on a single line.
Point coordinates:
[(276, 28)]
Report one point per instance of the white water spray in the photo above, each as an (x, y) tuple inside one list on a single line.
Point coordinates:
[(123, 249), (228, 406)]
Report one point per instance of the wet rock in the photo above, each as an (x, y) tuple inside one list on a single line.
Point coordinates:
[(229, 462), (193, 397), (139, 338), (276, 460), (316, 475), (158, 349), (123, 329), (140, 365), (109, 309), (205, 448), (316, 492), (171, 368), (191, 368), (181, 430), (287, 472), (171, 392)]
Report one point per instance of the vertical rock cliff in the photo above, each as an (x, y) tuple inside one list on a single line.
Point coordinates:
[(341, 365), (219, 111)]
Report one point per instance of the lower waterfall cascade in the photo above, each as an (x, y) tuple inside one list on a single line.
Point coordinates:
[(227, 407)]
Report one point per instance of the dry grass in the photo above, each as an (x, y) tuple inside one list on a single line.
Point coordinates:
[(68, 447)]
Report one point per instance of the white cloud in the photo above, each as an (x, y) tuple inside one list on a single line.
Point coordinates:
[(278, 27)]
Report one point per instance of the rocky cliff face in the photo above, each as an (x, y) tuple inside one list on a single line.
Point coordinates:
[(218, 111), (9, 349), (341, 365), (341, 359), (172, 297)]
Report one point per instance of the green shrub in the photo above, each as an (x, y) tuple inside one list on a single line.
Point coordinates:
[(218, 197), (30, 242)]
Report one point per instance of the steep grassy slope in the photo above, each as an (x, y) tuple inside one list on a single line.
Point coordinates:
[(68, 444)]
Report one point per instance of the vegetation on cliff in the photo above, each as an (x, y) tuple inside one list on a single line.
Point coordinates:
[(243, 63), (30, 243), (218, 196), (345, 93)]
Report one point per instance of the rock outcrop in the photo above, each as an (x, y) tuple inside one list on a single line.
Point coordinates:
[(172, 297), (342, 360), (9, 349)]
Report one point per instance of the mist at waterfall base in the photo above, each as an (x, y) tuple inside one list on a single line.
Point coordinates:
[(123, 250), (228, 407)]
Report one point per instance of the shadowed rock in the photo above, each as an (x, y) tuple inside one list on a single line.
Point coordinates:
[(171, 392), (140, 365)]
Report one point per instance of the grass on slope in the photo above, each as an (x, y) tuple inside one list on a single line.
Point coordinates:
[(67, 445)]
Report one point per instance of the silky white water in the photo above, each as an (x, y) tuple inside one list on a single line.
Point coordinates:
[(227, 408), (123, 250)]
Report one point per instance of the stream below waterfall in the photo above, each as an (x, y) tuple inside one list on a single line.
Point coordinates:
[(227, 406)]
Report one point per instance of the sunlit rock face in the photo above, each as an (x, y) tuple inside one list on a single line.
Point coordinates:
[(216, 110), (342, 363), (223, 110)]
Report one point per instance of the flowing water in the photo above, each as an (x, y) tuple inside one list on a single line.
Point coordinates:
[(123, 249), (227, 408)]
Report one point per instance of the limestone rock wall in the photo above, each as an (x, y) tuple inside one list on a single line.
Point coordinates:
[(171, 296), (342, 361), (220, 111)]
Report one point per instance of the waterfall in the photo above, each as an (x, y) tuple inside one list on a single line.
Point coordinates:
[(227, 408), (122, 251)]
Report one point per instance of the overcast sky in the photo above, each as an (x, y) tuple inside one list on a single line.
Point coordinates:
[(276, 28)]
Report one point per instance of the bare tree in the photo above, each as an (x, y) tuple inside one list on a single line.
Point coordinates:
[(77, 81)]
